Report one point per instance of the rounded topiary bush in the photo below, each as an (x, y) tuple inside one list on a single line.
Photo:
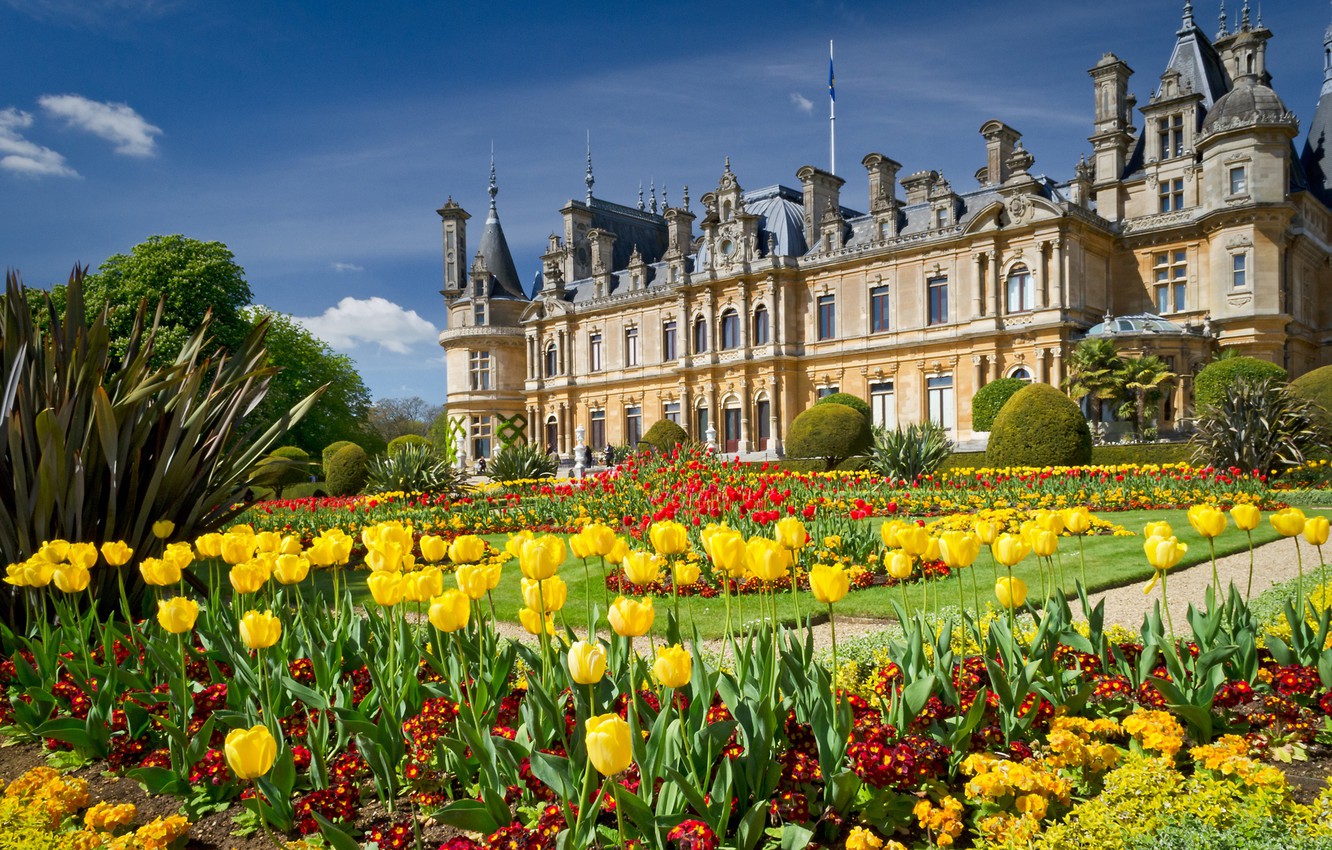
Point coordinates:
[(279, 469), (989, 399), (664, 435), (1039, 426), (1316, 386), (1218, 377), (347, 471), (331, 449), (833, 432), (851, 401), (398, 443)]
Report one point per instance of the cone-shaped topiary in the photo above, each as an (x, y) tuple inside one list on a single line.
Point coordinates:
[(854, 402), (347, 471), (833, 432), (400, 442), (1218, 377), (326, 456), (664, 435), (1039, 426), (990, 399)]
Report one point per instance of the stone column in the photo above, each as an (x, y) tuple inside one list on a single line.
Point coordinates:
[(978, 360), (774, 444), (996, 301), (1043, 283), (743, 446), (562, 427), (1042, 366), (561, 362), (1057, 366), (978, 295), (1057, 298)]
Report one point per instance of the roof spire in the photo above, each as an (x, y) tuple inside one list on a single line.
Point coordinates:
[(640, 195), (1260, 26), (1188, 15), (1221, 33), (728, 164), (1244, 22), (652, 203), (494, 187), (664, 204), (589, 181), (686, 197)]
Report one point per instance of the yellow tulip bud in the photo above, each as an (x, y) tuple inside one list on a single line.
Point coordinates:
[(668, 538), (83, 555), (290, 545), (1288, 521), (249, 576), (1044, 543), (1207, 520), (548, 595), (1164, 553), (209, 545), (642, 567), (162, 528), (1158, 529), (72, 578), (116, 553), (514, 545), (1011, 593), (630, 617), (1315, 530), (450, 611), (250, 752), (673, 666), (578, 545), (587, 662), (767, 559), (618, 551), (291, 569), (531, 621), (468, 549), (1246, 517), (791, 533), (54, 551), (958, 548), (387, 588), (728, 552), (599, 539), (159, 572), (609, 744), (541, 557), (260, 631), (1077, 520), (471, 580), (1010, 549), (433, 548), (685, 573), (268, 541), (987, 531), (238, 548), (913, 539), (900, 566), (177, 614), (828, 583), (888, 531), (1051, 521)]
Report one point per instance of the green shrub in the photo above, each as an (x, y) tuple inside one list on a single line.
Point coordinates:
[(331, 449), (851, 464), (1218, 377), (851, 401), (833, 432), (282, 468), (1141, 453), (1316, 386), (412, 468), (346, 471), (521, 462), (1261, 425), (397, 444), (988, 400), (904, 454), (1039, 426), (664, 435)]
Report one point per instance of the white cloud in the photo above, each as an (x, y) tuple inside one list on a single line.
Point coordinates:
[(801, 102), (118, 123), (346, 267), (21, 156), (371, 320)]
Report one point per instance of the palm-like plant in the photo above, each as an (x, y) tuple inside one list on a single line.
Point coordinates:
[(1259, 425), (910, 452), (1091, 372), (522, 462), (1139, 383)]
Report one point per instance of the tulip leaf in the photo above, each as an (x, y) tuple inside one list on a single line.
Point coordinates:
[(468, 815), (70, 730), (795, 836), (312, 698), (687, 788), (916, 694), (750, 830), (555, 772), (336, 837)]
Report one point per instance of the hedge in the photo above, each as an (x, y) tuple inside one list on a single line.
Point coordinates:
[(347, 471), (1039, 426)]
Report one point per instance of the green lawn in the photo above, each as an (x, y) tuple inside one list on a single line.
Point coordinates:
[(1111, 562)]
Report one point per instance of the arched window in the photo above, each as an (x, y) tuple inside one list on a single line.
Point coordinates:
[(552, 360), (1022, 373), (730, 329), (760, 325), (1021, 291), (700, 335)]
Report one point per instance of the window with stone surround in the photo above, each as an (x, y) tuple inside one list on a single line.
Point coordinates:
[(730, 329), (668, 347), (1171, 272), (597, 433), (1239, 180), (700, 335), (1170, 136), (633, 425), (481, 433), (879, 308), (827, 318), (941, 405), (1171, 195), (479, 315), (760, 325), (631, 347), (479, 368), (552, 360), (594, 352), (1021, 295), (1239, 270), (937, 300), (670, 411)]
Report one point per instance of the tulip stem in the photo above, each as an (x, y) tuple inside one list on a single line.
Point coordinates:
[(1216, 576), (832, 628), (1248, 591), (1082, 554), (619, 811), (1299, 579), (906, 604), (1165, 603), (587, 596)]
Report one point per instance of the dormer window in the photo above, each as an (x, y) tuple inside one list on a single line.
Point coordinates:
[(1172, 136), (479, 314), (941, 217)]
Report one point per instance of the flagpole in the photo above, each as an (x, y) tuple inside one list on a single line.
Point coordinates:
[(832, 114)]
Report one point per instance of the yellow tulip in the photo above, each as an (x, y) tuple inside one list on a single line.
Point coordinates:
[(514, 545), (541, 557), (1207, 520), (832, 541), (548, 595), (159, 572), (901, 565), (673, 666), (1044, 543), (1051, 521), (341, 543), (433, 548), (468, 549), (531, 621), (1246, 517), (1010, 549), (260, 631), (82, 555), (1315, 530), (587, 662), (599, 539), (828, 583), (791, 533), (630, 617), (493, 572), (177, 614), (72, 578), (471, 580), (1163, 553), (958, 548), (291, 569), (290, 545), (388, 589), (249, 576), (578, 545), (450, 611), (609, 744), (238, 548), (209, 545), (1158, 529), (668, 537), (888, 532), (1288, 521), (54, 551), (728, 552), (116, 553), (618, 551), (931, 550), (913, 539), (384, 558), (268, 541), (322, 552), (987, 531), (685, 573), (37, 572), (423, 585), (1011, 593), (1077, 520), (767, 559), (642, 567), (250, 752), (162, 528)]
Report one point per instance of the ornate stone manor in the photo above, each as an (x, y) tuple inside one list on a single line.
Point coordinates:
[(1196, 223)]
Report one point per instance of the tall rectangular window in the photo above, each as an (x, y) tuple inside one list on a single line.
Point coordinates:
[(827, 317), (879, 309), (1172, 194), (631, 347), (1239, 180), (597, 435), (668, 349), (479, 315), (1021, 296), (594, 353), (1171, 270), (942, 409), (478, 368), (941, 218), (701, 423), (480, 436), (883, 404), (937, 292), (1172, 136), (671, 411), (1239, 270), (633, 425)]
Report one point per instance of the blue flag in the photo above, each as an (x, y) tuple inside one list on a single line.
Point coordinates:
[(832, 91)]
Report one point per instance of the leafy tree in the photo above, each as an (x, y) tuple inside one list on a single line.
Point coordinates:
[(305, 362), (1139, 384), (190, 278), (1091, 372), (393, 417)]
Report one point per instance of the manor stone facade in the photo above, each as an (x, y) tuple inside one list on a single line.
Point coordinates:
[(1204, 227)]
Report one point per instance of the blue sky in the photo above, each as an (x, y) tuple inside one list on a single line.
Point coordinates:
[(316, 139)]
